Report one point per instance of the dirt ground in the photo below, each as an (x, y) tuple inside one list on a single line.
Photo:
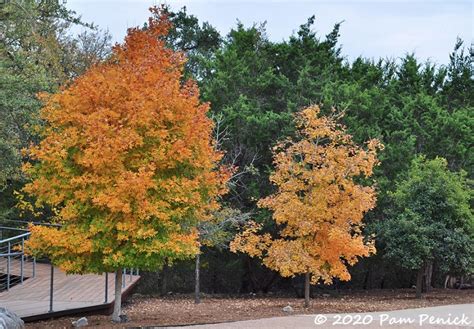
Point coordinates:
[(144, 311)]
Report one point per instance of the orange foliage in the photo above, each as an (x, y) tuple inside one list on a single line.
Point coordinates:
[(318, 206), (128, 160)]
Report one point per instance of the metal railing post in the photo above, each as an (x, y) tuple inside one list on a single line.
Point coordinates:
[(15, 246), (51, 289), (130, 274), (22, 258), (8, 265), (106, 287)]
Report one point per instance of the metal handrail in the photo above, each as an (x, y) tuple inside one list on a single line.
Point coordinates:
[(12, 254), (16, 237), (12, 228), (32, 222), (9, 251)]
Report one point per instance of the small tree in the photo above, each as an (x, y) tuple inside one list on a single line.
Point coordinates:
[(128, 162), (217, 233), (430, 221), (318, 205)]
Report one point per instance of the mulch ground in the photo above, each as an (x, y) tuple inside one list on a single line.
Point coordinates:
[(144, 311)]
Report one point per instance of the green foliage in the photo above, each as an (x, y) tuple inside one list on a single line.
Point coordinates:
[(198, 42), (221, 228), (431, 219), (36, 55), (457, 92), (255, 86), (19, 83)]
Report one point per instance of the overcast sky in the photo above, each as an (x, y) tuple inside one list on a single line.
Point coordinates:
[(372, 28)]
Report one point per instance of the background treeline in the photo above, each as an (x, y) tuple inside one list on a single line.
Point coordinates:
[(420, 111)]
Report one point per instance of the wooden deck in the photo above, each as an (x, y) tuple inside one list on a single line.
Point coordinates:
[(71, 293)]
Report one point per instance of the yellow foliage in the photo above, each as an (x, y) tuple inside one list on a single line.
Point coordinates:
[(318, 207)]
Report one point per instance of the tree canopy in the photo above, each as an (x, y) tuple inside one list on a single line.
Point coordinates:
[(431, 219), (318, 205), (126, 160)]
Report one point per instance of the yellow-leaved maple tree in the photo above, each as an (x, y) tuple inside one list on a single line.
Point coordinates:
[(127, 160), (319, 204)]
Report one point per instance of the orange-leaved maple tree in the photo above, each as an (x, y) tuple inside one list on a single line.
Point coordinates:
[(127, 160), (319, 203)]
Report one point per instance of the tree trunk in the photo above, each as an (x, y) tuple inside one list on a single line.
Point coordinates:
[(306, 289), (419, 281), (164, 280), (446, 281), (197, 293), (366, 284), (118, 296), (428, 275), (461, 282)]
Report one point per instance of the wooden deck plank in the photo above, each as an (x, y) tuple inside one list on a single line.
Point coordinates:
[(70, 291)]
